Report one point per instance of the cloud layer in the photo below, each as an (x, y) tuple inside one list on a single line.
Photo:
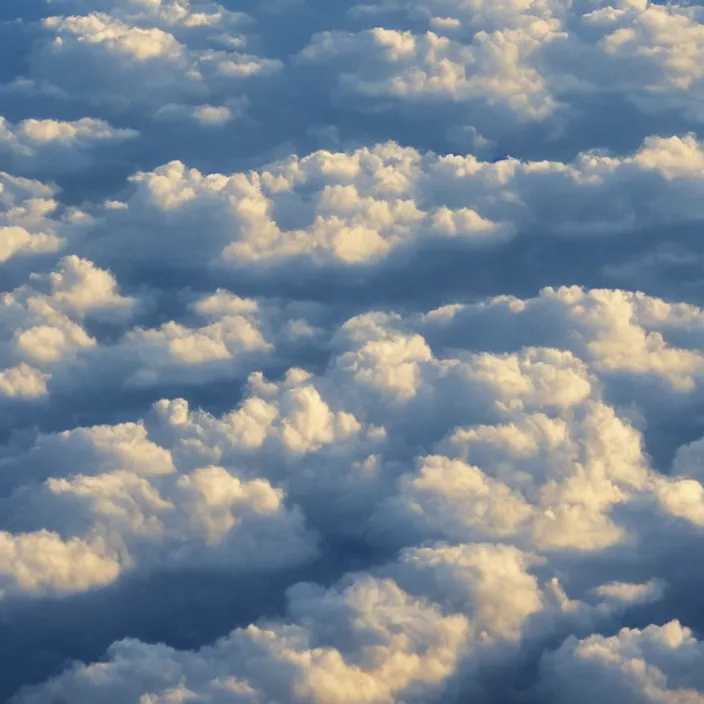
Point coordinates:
[(351, 352)]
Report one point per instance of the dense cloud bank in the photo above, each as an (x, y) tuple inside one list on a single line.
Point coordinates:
[(351, 352)]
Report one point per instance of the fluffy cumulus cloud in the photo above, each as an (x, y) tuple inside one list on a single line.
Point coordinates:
[(32, 221), (43, 330), (517, 62), (373, 208), (73, 323), (33, 143), (147, 52), (327, 208), (351, 352), (653, 664)]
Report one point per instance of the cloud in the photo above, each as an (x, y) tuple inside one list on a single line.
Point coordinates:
[(653, 664), (121, 504), (41, 562), (38, 132), (515, 448), (55, 145), (392, 643), (382, 206), (537, 459), (44, 329), (433, 67), (616, 331), (366, 637), (26, 217), (632, 593), (351, 352), (203, 115), (347, 223), (63, 328), (146, 53), (514, 62)]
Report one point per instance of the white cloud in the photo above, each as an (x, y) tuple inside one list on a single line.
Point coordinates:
[(78, 287), (615, 331), (494, 67), (531, 455), (37, 333), (52, 144), (363, 207), (632, 593), (135, 43), (176, 13), (367, 642), (147, 54), (117, 503), (41, 563), (44, 329), (458, 395), (518, 60), (38, 132), (47, 327), (649, 665), (23, 381), (401, 638), (489, 583), (28, 221), (203, 115)]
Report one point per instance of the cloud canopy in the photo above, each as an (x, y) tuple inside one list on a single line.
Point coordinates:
[(351, 352)]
